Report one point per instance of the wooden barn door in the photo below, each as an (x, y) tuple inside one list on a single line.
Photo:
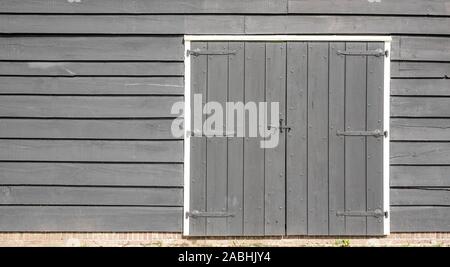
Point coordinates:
[(325, 177)]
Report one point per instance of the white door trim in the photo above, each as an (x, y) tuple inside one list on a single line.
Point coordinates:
[(348, 38), (343, 38)]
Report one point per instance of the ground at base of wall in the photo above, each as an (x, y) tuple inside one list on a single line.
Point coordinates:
[(175, 240)]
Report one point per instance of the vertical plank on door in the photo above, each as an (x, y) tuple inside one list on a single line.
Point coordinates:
[(355, 146), (197, 181), (235, 144), (216, 148), (296, 142), (274, 165), (375, 68), (336, 143), (318, 138), (253, 153)]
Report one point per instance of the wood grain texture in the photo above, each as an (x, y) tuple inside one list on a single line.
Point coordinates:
[(420, 176), (393, 7), (216, 147), (86, 129), (275, 158), (420, 196), (420, 219), (421, 48), (297, 24), (420, 153), (318, 194), (420, 87), (91, 174), (123, 24), (197, 179), (355, 146), (222, 24), (91, 219), (145, 6), (91, 48), (336, 164), (235, 157), (420, 107), (420, 129), (420, 69), (296, 140), (92, 86), (83, 106), (374, 146), (75, 69), (253, 153), (99, 196), (397, 7), (86, 151)]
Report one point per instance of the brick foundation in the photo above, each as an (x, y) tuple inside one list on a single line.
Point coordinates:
[(176, 239)]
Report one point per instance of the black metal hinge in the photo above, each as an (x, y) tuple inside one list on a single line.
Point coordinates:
[(376, 213), (377, 52), (375, 133), (196, 133), (197, 52), (196, 213)]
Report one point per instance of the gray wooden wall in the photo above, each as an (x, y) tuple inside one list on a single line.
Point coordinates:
[(86, 89)]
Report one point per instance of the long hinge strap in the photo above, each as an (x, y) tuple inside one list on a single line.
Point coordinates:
[(377, 52), (210, 134), (375, 133), (376, 213), (197, 213), (197, 52)]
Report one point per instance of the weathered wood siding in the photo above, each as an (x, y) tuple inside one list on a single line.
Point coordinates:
[(86, 87)]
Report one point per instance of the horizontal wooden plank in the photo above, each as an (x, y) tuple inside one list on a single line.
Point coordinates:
[(397, 7), (92, 86), (91, 48), (86, 151), (222, 24), (86, 129), (145, 6), (420, 176), (90, 219), (420, 106), (99, 196), (74, 69), (420, 219), (420, 196), (420, 69), (426, 87), (392, 7), (420, 129), (420, 48), (90, 174), (83, 106), (297, 24), (417, 153), (124, 24)]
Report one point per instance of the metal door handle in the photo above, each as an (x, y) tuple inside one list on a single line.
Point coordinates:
[(280, 126)]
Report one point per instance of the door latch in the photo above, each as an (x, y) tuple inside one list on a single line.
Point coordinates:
[(281, 126)]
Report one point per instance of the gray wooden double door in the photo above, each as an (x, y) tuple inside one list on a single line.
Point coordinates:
[(325, 177)]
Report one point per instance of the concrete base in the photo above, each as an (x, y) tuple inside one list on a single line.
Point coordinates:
[(176, 239)]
